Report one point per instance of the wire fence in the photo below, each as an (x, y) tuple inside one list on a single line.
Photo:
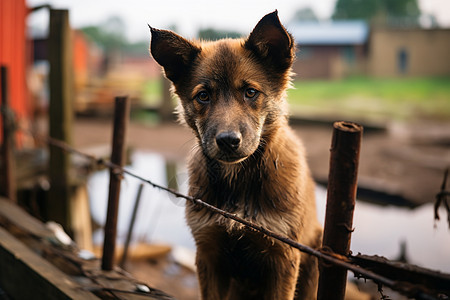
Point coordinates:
[(323, 254)]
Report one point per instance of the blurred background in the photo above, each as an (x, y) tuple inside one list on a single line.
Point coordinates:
[(382, 63)]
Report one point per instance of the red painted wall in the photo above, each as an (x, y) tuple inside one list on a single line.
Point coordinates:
[(15, 54)]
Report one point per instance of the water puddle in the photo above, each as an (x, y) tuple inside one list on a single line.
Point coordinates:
[(378, 229)]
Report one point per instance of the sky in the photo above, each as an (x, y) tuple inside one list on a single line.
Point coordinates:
[(190, 16)]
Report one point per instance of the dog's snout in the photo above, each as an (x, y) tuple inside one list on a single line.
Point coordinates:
[(228, 140)]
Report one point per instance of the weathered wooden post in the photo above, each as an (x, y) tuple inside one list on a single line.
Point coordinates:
[(60, 116), (121, 115), (342, 184), (7, 178), (166, 107)]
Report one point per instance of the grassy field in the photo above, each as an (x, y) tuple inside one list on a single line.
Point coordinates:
[(362, 98), (425, 98)]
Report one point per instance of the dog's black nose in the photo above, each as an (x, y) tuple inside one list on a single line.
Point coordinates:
[(228, 140)]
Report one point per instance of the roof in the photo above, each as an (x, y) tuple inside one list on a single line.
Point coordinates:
[(330, 32)]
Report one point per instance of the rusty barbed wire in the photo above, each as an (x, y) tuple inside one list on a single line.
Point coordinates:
[(442, 197), (326, 255)]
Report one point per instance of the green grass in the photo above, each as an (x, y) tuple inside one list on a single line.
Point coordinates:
[(152, 92), (427, 98)]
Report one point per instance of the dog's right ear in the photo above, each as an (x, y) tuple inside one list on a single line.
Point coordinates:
[(174, 53), (271, 43)]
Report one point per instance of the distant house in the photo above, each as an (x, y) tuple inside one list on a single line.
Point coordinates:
[(409, 52), (331, 49), (336, 49)]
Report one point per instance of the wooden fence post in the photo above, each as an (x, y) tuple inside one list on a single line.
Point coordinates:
[(166, 108), (121, 115), (342, 184), (7, 178), (60, 116)]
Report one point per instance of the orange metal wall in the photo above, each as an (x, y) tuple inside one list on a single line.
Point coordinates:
[(15, 54)]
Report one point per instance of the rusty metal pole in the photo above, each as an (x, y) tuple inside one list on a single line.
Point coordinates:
[(121, 115), (131, 227), (342, 184), (7, 180)]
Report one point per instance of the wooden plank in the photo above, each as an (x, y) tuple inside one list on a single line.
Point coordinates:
[(25, 275), (23, 220), (60, 116), (81, 216)]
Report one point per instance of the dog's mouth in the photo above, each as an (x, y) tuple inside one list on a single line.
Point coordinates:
[(227, 159), (226, 156)]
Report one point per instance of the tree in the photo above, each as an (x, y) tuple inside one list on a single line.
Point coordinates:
[(355, 9), (213, 34), (111, 37), (305, 14), (110, 34), (386, 11)]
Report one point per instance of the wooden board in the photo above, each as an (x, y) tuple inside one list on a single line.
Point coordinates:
[(25, 275), (33, 267)]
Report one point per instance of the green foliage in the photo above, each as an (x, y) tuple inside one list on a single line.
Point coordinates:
[(213, 34), (355, 9), (305, 14), (406, 11), (152, 92), (137, 48), (110, 36)]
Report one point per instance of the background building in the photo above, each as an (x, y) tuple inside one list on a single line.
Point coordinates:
[(338, 49)]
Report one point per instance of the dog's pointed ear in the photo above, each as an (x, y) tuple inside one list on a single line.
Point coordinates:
[(271, 43), (174, 53)]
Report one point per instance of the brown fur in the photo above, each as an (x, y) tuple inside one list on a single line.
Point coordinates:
[(248, 162)]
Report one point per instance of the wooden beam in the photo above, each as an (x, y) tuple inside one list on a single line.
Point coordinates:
[(60, 116), (26, 275), (166, 108)]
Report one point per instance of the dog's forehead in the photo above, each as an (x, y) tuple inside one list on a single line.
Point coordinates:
[(225, 49), (224, 61)]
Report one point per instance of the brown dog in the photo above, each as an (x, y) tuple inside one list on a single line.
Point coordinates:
[(248, 162)]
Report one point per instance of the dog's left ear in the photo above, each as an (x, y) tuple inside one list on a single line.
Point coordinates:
[(271, 43), (174, 53)]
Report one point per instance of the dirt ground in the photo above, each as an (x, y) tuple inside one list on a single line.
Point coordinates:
[(401, 162)]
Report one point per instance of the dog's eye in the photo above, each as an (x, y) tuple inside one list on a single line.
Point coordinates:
[(250, 93), (202, 97)]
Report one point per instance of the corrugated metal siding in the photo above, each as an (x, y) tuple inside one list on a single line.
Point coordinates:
[(14, 54), (330, 32)]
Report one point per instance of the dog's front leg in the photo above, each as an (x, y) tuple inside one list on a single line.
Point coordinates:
[(284, 285), (275, 279), (214, 282)]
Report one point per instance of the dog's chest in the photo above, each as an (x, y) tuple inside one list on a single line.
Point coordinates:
[(258, 192), (252, 200)]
